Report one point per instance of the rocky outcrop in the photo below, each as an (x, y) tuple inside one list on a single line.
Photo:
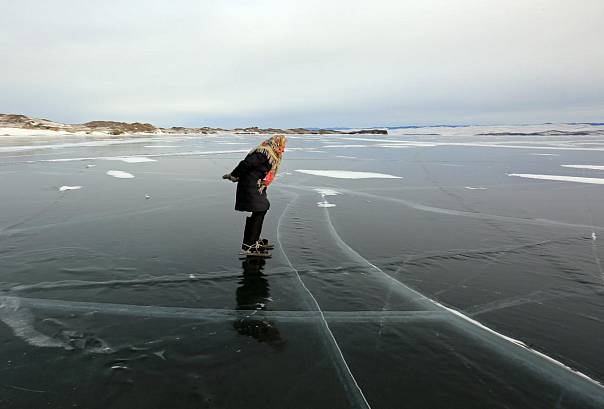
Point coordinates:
[(369, 131), (109, 127), (288, 131), (25, 122), (180, 130), (119, 128), (294, 131)]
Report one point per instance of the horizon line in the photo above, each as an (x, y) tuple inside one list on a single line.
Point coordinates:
[(436, 125)]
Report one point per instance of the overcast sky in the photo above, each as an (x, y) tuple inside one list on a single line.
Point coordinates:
[(303, 63)]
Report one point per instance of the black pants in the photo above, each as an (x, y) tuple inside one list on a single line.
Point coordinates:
[(253, 227)]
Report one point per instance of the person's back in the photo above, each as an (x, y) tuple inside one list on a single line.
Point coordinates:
[(253, 168)]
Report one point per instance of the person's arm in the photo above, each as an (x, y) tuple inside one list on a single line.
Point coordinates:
[(231, 178)]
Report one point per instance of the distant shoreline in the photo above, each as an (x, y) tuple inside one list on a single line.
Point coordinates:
[(22, 125)]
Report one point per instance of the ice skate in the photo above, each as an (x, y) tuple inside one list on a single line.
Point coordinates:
[(254, 250), (265, 244)]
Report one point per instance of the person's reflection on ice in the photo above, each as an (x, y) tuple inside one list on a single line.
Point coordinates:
[(253, 295)]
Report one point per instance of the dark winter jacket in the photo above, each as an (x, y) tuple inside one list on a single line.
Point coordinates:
[(253, 168)]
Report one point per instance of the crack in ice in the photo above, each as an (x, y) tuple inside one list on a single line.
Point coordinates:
[(562, 373), (354, 390)]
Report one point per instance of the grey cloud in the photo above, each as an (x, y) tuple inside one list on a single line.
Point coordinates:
[(312, 63)]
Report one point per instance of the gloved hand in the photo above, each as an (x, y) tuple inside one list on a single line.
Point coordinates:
[(261, 186), (230, 177)]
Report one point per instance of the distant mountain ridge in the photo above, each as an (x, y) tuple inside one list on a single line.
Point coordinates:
[(121, 128)]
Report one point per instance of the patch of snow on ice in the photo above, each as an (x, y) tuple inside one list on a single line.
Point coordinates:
[(347, 174), (65, 188), (396, 146), (8, 132), (394, 142), (75, 144), (162, 146), (303, 150), (592, 167), (326, 191), (131, 159), (146, 157), (344, 146), (120, 174), (544, 154), (494, 145), (472, 144), (65, 160), (21, 322), (346, 157), (126, 159), (560, 178), (476, 188)]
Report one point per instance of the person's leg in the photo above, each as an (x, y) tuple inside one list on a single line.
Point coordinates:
[(247, 241), (257, 219)]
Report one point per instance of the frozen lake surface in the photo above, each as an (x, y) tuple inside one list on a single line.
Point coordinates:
[(443, 270)]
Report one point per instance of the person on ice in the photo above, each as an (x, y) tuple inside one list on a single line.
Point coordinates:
[(253, 175)]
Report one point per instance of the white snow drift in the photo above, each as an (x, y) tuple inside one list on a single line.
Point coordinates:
[(347, 174), (65, 188), (592, 167), (560, 178), (120, 174)]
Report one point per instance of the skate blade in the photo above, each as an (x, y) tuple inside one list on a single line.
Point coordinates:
[(255, 255)]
